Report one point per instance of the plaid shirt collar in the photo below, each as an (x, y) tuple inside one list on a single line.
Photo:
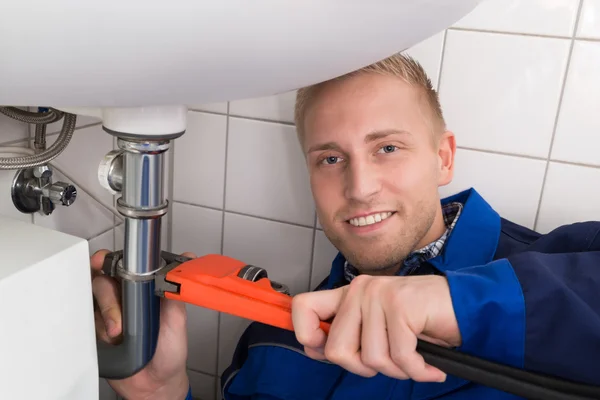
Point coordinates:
[(414, 260)]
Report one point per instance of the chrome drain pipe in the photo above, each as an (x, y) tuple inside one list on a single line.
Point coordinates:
[(136, 170)]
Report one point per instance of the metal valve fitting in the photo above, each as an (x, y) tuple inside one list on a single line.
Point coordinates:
[(33, 191)]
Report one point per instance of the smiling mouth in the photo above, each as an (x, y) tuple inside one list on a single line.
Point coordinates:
[(370, 219)]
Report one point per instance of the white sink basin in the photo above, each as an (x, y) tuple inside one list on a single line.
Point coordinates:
[(132, 53)]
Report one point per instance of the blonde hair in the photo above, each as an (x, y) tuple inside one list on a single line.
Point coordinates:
[(400, 66)]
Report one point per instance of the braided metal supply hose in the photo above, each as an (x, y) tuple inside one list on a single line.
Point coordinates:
[(57, 147)]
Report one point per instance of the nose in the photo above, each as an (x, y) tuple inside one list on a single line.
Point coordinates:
[(362, 181)]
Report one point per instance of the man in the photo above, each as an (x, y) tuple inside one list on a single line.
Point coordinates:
[(451, 271)]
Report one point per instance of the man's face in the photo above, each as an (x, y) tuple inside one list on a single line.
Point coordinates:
[(375, 166)]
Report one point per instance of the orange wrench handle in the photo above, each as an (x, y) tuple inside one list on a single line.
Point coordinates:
[(212, 282)]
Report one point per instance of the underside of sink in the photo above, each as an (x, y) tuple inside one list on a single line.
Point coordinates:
[(115, 53)]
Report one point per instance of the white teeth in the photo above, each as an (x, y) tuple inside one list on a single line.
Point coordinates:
[(370, 219)]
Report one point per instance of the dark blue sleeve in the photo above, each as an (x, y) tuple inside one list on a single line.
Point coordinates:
[(562, 310), (533, 310)]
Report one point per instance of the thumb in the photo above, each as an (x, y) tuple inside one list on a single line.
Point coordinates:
[(309, 309)]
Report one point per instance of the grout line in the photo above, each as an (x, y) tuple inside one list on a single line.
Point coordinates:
[(536, 35), (441, 65), (222, 235), (102, 233), (246, 215), (557, 116), (575, 164), (197, 110), (249, 118), (201, 372), (502, 153), (267, 120), (225, 180), (312, 254), (26, 141), (77, 128)]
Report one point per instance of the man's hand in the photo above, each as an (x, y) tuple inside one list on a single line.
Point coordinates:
[(377, 323), (165, 376)]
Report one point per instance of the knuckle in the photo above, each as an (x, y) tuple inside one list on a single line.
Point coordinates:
[(399, 356), (304, 338), (372, 361), (334, 355), (299, 301), (360, 280)]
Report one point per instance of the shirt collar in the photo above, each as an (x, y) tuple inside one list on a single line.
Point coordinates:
[(414, 260)]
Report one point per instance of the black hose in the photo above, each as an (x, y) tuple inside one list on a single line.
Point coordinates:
[(511, 380)]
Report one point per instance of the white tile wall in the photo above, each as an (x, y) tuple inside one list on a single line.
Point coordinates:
[(543, 17), (588, 22), (524, 110)]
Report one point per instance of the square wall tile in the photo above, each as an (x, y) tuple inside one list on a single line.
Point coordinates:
[(278, 107), (202, 331), (85, 218), (11, 129), (323, 256), (589, 20), (220, 108), (196, 229), (542, 17), (283, 250), (568, 196), (511, 185), (429, 54), (104, 241), (577, 133), (81, 158), (508, 99), (199, 160), (203, 386), (266, 172)]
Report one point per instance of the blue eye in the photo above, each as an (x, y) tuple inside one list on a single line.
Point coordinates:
[(388, 149), (330, 160)]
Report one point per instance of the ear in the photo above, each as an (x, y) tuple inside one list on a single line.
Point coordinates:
[(446, 152)]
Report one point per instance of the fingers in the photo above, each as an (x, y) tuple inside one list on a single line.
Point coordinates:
[(106, 293), (97, 259), (315, 354), (375, 350), (403, 351), (308, 310), (343, 345)]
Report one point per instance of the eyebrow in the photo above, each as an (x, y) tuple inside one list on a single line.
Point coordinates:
[(376, 135)]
